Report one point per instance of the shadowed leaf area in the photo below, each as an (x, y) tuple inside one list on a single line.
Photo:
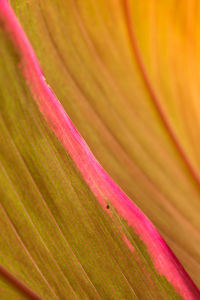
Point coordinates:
[(141, 122)]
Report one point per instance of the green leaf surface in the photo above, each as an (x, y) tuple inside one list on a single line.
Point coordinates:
[(136, 103)]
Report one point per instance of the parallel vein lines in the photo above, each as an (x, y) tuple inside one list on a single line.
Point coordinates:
[(31, 222), (154, 97), (26, 250), (18, 284)]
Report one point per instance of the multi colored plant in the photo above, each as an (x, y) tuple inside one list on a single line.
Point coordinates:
[(126, 73)]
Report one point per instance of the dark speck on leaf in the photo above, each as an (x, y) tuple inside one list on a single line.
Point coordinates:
[(108, 206)]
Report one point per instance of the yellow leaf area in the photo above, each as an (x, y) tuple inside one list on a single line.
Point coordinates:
[(150, 149), (55, 237)]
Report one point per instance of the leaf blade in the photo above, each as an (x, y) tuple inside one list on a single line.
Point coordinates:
[(41, 157)]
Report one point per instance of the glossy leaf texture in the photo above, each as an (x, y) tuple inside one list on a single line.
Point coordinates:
[(129, 80), (67, 230)]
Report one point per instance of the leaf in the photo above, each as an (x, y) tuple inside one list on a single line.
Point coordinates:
[(67, 230), (136, 104)]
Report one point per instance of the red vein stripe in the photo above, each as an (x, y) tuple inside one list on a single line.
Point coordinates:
[(26, 250), (154, 97), (21, 287)]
